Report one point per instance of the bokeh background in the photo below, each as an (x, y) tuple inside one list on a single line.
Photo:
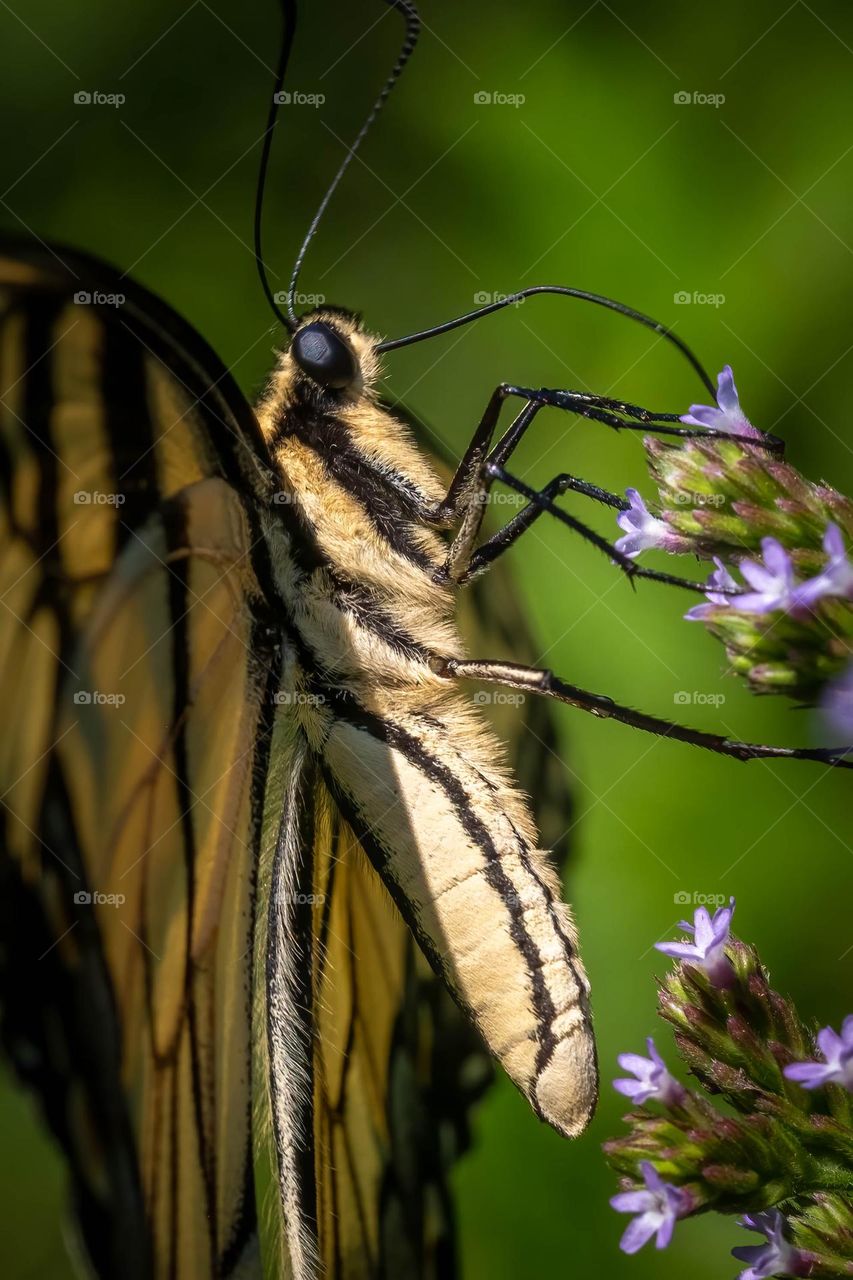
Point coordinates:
[(596, 175)]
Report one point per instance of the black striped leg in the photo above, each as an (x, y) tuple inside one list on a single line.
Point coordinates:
[(621, 415), (482, 465), (546, 684), (541, 500)]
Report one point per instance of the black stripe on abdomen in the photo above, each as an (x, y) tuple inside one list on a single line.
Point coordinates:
[(398, 739)]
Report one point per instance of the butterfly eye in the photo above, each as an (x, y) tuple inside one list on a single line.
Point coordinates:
[(325, 356)]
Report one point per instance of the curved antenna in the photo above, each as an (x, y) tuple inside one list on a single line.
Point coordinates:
[(413, 28), (288, 9), (394, 344)]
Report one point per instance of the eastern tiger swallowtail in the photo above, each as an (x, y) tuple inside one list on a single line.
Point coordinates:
[(240, 783)]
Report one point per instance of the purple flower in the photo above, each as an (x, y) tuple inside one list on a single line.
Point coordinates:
[(707, 950), (727, 416), (719, 589), (837, 706), (777, 1257), (772, 583), (834, 579), (657, 1208), (838, 1067), (653, 1080), (643, 531)]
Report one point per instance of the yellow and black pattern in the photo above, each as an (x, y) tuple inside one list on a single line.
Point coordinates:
[(166, 622)]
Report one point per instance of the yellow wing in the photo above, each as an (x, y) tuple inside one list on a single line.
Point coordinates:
[(134, 679)]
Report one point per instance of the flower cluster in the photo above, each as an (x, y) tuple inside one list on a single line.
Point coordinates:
[(780, 597), (778, 1151)]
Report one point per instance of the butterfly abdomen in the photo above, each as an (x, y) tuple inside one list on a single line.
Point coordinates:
[(413, 766)]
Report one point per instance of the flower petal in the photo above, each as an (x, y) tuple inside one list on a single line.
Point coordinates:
[(833, 542), (776, 558), (635, 1062), (727, 397), (633, 1201), (639, 1231), (830, 1044), (679, 950)]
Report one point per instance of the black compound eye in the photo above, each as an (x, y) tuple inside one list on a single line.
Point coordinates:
[(324, 356)]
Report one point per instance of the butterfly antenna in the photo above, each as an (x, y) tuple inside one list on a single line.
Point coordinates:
[(394, 344), (288, 8), (413, 27)]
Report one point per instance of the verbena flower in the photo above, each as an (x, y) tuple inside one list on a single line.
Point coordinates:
[(719, 589), (838, 1067), (657, 1207), (643, 531), (777, 1257), (772, 582), (727, 415), (836, 578), (746, 1140), (786, 620), (707, 950), (653, 1082)]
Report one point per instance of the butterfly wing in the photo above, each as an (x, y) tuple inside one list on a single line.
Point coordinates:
[(135, 680)]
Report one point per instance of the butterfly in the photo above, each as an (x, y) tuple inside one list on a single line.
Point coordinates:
[(270, 883)]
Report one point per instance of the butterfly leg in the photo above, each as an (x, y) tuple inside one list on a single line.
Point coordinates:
[(482, 464), (545, 683)]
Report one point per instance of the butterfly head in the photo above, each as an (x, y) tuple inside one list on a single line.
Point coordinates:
[(331, 355)]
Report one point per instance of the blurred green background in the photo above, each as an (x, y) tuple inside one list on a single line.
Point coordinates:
[(599, 178)]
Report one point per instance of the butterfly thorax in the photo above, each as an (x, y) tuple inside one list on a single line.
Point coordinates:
[(352, 542)]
